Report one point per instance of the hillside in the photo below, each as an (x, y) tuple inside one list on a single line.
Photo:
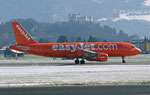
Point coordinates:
[(72, 30)]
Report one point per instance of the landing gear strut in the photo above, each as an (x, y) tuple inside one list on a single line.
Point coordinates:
[(77, 61), (123, 60)]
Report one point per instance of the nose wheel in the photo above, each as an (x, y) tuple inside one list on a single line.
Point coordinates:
[(123, 60)]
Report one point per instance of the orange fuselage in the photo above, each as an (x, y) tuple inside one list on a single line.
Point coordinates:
[(72, 50)]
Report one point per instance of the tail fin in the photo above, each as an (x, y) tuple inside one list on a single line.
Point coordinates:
[(22, 36)]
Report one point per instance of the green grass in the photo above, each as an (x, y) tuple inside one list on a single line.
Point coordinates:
[(99, 83), (2, 57)]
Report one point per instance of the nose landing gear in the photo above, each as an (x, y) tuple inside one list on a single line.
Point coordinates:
[(123, 60)]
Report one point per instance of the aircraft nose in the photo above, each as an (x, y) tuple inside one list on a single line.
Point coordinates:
[(138, 51)]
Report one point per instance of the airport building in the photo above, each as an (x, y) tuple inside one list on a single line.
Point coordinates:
[(1, 50), (144, 45), (10, 53), (79, 18)]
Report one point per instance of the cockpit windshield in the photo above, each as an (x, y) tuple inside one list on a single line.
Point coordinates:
[(133, 46)]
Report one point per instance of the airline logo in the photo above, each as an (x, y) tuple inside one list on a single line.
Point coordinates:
[(23, 33), (81, 46)]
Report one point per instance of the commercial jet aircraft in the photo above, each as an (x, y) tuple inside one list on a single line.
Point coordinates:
[(91, 51)]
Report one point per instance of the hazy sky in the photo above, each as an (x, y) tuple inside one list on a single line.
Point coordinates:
[(58, 10), (131, 16)]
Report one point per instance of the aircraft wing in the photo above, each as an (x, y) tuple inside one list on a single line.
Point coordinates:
[(84, 53), (87, 53), (15, 51)]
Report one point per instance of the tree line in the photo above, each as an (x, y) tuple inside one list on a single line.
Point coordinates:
[(64, 32)]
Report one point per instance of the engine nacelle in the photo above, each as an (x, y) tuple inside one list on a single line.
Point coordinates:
[(102, 57)]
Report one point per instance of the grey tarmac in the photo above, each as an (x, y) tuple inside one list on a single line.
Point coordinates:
[(62, 77), (80, 90)]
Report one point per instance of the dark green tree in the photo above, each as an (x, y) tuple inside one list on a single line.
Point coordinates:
[(105, 41), (84, 40), (123, 36), (62, 39), (79, 39), (92, 39)]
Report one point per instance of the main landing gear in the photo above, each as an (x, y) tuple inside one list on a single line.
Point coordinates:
[(81, 62), (123, 60), (77, 61)]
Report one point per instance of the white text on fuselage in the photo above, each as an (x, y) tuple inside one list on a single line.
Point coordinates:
[(81, 46), (22, 32)]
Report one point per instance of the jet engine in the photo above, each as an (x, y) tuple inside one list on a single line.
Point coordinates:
[(101, 57)]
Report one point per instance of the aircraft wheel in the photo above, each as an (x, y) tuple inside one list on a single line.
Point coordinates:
[(77, 61), (82, 62), (123, 61)]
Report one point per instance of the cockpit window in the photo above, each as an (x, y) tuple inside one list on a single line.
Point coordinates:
[(133, 47)]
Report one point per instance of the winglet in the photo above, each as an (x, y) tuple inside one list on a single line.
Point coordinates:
[(22, 36)]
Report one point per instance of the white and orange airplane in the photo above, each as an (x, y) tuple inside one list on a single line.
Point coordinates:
[(90, 51)]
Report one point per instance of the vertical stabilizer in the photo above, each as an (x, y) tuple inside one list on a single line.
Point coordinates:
[(22, 36)]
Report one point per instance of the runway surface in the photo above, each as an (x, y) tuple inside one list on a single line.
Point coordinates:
[(29, 75), (44, 76), (80, 90), (66, 73)]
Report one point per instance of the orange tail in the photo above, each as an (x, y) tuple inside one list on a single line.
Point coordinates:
[(22, 36)]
